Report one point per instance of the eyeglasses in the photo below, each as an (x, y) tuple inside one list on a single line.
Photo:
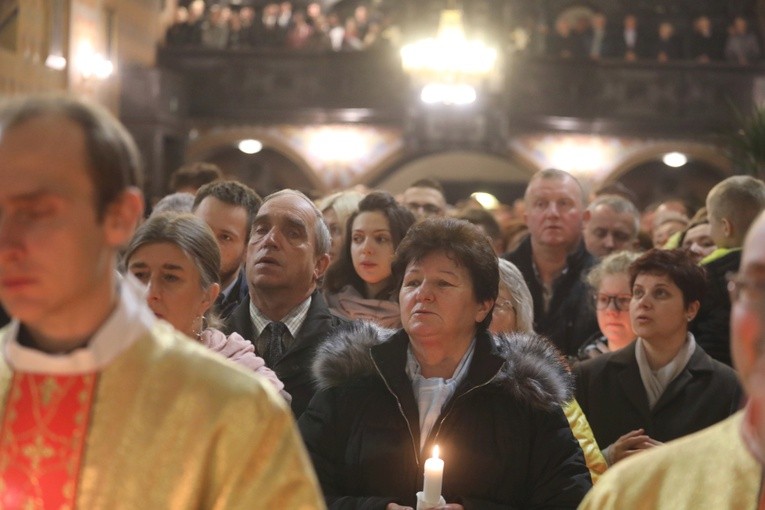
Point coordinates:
[(621, 301), (740, 289), (504, 305)]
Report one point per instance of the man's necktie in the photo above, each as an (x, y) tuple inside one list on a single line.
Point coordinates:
[(274, 350)]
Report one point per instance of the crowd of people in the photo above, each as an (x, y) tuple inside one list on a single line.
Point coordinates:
[(580, 34), (631, 38), (277, 25), (238, 351)]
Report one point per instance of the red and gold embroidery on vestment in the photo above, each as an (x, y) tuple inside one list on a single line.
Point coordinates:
[(42, 436)]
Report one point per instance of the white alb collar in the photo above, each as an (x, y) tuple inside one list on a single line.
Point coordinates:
[(131, 319)]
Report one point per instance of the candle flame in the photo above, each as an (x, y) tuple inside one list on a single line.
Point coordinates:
[(435, 452)]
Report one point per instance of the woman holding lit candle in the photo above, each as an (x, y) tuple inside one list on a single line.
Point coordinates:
[(493, 407)]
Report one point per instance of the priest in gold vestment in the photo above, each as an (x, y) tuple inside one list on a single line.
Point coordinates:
[(104, 406), (720, 467)]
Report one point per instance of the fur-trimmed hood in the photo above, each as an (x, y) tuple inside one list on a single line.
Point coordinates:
[(533, 371)]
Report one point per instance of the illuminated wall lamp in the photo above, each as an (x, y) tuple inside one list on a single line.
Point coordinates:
[(56, 62), (675, 159), (250, 146)]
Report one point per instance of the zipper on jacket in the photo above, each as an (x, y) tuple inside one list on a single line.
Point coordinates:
[(401, 410), (454, 402)]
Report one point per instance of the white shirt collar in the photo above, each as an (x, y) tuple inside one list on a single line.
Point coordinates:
[(130, 320)]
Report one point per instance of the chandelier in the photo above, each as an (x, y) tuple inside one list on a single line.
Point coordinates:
[(449, 55), (449, 66)]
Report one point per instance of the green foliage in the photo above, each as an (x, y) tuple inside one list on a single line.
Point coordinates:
[(748, 141)]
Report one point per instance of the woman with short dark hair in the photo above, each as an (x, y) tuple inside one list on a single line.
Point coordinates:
[(360, 284), (663, 385), (492, 406)]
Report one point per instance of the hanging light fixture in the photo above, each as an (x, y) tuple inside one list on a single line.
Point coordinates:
[(450, 53)]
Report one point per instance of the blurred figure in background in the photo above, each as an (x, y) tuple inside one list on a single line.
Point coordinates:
[(611, 224), (742, 46), (667, 227), (484, 220), (697, 237), (425, 198), (336, 208), (191, 176), (180, 202)]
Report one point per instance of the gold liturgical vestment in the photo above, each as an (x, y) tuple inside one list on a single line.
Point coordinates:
[(174, 427), (711, 469)]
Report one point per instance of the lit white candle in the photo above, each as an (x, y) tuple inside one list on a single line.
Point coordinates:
[(434, 473)]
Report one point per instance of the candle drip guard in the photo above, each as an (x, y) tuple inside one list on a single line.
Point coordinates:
[(427, 505)]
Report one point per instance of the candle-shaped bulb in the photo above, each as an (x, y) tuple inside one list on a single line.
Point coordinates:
[(434, 472)]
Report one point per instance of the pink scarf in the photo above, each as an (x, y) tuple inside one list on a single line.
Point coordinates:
[(235, 348)]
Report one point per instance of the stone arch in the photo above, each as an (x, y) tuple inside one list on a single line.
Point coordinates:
[(708, 154), (209, 142)]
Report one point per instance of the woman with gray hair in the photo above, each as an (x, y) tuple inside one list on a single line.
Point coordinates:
[(177, 258), (514, 313), (514, 309)]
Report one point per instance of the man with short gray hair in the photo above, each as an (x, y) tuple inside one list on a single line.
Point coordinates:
[(285, 315), (611, 224)]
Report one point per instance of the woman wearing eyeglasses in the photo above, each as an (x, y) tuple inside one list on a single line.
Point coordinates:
[(514, 313), (610, 283), (663, 385)]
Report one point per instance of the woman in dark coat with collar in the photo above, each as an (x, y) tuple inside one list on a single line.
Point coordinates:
[(492, 406), (663, 385)]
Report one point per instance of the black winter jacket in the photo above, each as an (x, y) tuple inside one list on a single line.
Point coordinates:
[(610, 391), (571, 317), (712, 324), (503, 437)]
